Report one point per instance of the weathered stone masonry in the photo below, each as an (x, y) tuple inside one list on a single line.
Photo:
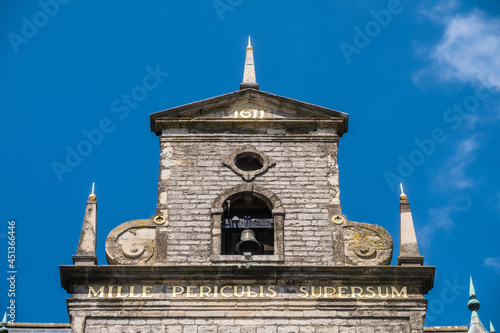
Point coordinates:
[(248, 234), (302, 179)]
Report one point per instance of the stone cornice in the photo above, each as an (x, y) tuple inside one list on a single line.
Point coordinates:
[(424, 275), (246, 138), (237, 124)]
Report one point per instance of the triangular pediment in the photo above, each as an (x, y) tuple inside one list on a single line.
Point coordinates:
[(249, 104)]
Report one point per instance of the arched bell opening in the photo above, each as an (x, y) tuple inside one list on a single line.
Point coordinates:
[(247, 225)]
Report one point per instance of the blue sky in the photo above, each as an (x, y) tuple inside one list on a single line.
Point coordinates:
[(420, 81)]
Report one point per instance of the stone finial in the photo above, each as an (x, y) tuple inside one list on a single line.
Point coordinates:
[(92, 196), (3, 328), (402, 196), (408, 246), (86, 252), (492, 329), (249, 80)]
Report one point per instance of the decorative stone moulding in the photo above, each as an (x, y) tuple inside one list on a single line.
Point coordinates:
[(131, 243), (367, 244), (259, 162)]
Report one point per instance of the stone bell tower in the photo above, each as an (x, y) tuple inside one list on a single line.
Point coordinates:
[(248, 234)]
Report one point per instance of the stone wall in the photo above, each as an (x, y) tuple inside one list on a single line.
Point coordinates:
[(247, 325), (259, 298), (304, 178)]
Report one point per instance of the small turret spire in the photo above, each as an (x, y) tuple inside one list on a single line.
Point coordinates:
[(249, 80), (472, 291), (473, 305), (86, 252), (408, 246), (475, 324), (3, 328)]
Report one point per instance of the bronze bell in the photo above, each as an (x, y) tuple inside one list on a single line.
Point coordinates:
[(248, 243)]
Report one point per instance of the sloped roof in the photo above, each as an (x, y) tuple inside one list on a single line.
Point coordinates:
[(199, 109), (446, 329), (38, 328)]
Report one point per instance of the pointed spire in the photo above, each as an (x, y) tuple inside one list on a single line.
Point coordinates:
[(408, 247), (85, 254), (473, 305), (475, 324), (249, 80), (472, 291), (3, 328), (492, 329)]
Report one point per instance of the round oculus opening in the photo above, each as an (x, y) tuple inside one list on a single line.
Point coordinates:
[(249, 161)]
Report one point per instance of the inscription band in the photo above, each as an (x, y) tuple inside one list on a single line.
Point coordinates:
[(246, 291)]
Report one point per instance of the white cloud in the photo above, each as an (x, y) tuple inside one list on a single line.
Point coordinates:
[(492, 262), (453, 174), (441, 10), (441, 219), (469, 49), (468, 53)]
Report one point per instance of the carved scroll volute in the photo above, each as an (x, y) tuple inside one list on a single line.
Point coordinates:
[(131, 243), (367, 244)]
